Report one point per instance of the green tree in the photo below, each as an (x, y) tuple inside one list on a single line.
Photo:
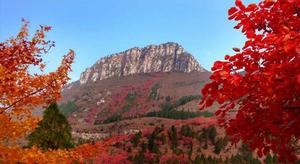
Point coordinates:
[(152, 145), (136, 139), (187, 131), (52, 132), (212, 133), (173, 137), (220, 144)]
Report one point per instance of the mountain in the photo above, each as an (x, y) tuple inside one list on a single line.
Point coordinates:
[(143, 104), (168, 57), (140, 83)]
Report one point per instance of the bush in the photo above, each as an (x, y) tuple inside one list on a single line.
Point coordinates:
[(185, 99), (154, 92), (168, 98), (271, 159), (173, 114), (131, 97), (113, 118), (52, 132), (126, 108)]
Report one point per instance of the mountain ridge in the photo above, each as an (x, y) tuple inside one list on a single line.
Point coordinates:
[(166, 57)]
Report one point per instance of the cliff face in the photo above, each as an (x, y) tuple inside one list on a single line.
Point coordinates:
[(168, 57)]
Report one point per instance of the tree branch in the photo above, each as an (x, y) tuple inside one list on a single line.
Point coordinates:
[(21, 99)]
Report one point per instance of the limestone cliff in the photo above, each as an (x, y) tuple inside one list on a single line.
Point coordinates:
[(168, 57)]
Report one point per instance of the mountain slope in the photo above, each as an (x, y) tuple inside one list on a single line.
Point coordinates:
[(135, 83)]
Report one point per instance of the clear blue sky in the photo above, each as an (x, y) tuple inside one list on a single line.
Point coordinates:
[(96, 28)]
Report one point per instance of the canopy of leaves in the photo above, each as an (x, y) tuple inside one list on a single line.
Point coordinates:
[(267, 95), (21, 90)]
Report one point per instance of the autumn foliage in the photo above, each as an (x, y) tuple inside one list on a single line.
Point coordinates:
[(22, 92), (261, 82)]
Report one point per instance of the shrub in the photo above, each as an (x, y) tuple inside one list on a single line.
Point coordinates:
[(131, 97), (168, 98), (271, 159), (113, 118), (185, 99), (154, 92), (173, 114), (126, 108)]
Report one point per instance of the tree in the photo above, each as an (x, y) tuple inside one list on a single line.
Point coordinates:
[(136, 139), (53, 132), (21, 90), (266, 96), (173, 137)]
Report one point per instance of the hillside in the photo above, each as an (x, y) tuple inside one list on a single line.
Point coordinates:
[(145, 102), (133, 91)]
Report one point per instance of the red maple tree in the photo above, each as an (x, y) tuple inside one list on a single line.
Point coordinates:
[(261, 82)]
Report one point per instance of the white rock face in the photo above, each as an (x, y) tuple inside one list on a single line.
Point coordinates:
[(84, 77), (166, 57)]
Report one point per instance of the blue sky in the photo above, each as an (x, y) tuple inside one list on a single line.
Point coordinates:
[(96, 28)]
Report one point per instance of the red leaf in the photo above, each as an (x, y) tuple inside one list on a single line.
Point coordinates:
[(251, 7), (217, 65), (236, 49), (240, 4), (227, 57), (218, 112), (232, 10), (259, 153)]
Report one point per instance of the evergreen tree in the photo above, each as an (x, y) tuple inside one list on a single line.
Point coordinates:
[(173, 137), (187, 131), (52, 132), (136, 139)]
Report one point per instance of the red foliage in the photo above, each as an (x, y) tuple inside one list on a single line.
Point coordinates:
[(267, 95), (105, 157), (90, 119), (169, 158), (140, 104)]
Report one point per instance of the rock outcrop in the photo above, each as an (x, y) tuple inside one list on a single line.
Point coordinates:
[(168, 57)]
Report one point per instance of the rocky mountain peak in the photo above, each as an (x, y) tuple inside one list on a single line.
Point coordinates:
[(165, 57)]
